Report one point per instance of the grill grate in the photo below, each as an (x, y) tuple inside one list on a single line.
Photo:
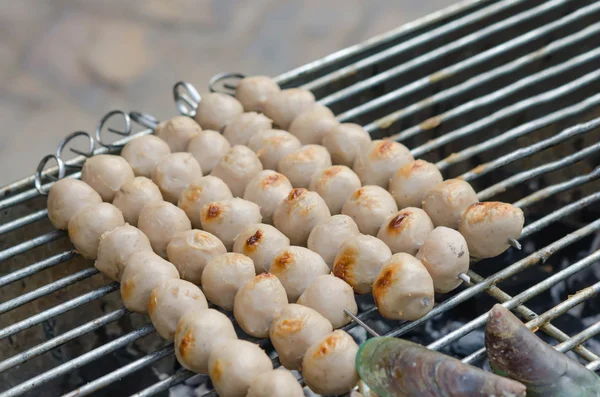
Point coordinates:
[(499, 93)]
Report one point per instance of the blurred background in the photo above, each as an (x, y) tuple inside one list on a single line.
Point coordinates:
[(67, 62)]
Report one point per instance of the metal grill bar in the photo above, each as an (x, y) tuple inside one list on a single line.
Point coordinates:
[(164, 384), (36, 267), (30, 244), (23, 221), (459, 67), (593, 365), (580, 338)]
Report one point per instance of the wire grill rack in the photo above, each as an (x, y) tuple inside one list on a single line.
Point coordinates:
[(503, 94)]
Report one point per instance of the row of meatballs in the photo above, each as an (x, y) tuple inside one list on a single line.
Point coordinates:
[(402, 285)]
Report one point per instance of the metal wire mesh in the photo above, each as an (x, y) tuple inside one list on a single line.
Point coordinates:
[(499, 93)]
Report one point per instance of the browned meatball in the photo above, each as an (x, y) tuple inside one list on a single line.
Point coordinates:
[(177, 132), (311, 125), (271, 145), (406, 230), (207, 148), (412, 181), (283, 106), (299, 213), (369, 206), (134, 195), (236, 168), (330, 296), (106, 173), (335, 184), (245, 126), (446, 202), (376, 164), (176, 172), (161, 222), (326, 238), (344, 141), (66, 197), (88, 224), (253, 91), (228, 218), (300, 165), (224, 275), (260, 243), (216, 110), (116, 246), (205, 190), (267, 189), (144, 153)]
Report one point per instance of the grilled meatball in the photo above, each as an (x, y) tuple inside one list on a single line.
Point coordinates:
[(169, 301), (89, 223), (106, 173), (312, 124), (335, 184), (224, 275), (359, 260), (271, 145), (446, 201), (412, 181), (245, 126), (160, 222), (488, 226), (326, 238), (344, 141), (233, 365), (116, 246), (445, 255), (260, 243), (300, 165), (294, 330), (376, 164), (283, 106), (175, 173), (403, 289), (177, 132), (216, 110), (134, 195), (207, 148), (267, 189), (236, 168), (198, 333), (299, 213), (406, 230), (144, 153), (257, 303), (328, 366), (191, 250), (228, 218), (329, 296), (143, 272), (277, 383), (253, 91), (369, 206), (66, 197), (296, 268), (206, 190)]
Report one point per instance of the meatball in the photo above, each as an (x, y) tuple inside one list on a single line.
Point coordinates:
[(175, 173), (206, 190), (169, 301), (294, 330), (299, 213), (403, 289), (283, 106), (234, 365), (271, 145), (446, 201), (301, 164), (161, 222), (406, 230), (207, 148), (228, 218), (177, 132), (191, 250), (412, 181), (344, 141), (88, 224), (277, 383), (144, 153), (296, 268), (236, 168), (224, 275), (329, 296), (369, 206), (253, 91), (445, 255), (134, 195), (245, 126), (260, 243), (327, 238), (106, 173), (257, 303), (376, 164), (312, 124), (267, 189), (335, 184), (216, 110), (116, 246), (359, 260), (487, 227), (329, 367), (66, 197), (197, 334), (144, 270)]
